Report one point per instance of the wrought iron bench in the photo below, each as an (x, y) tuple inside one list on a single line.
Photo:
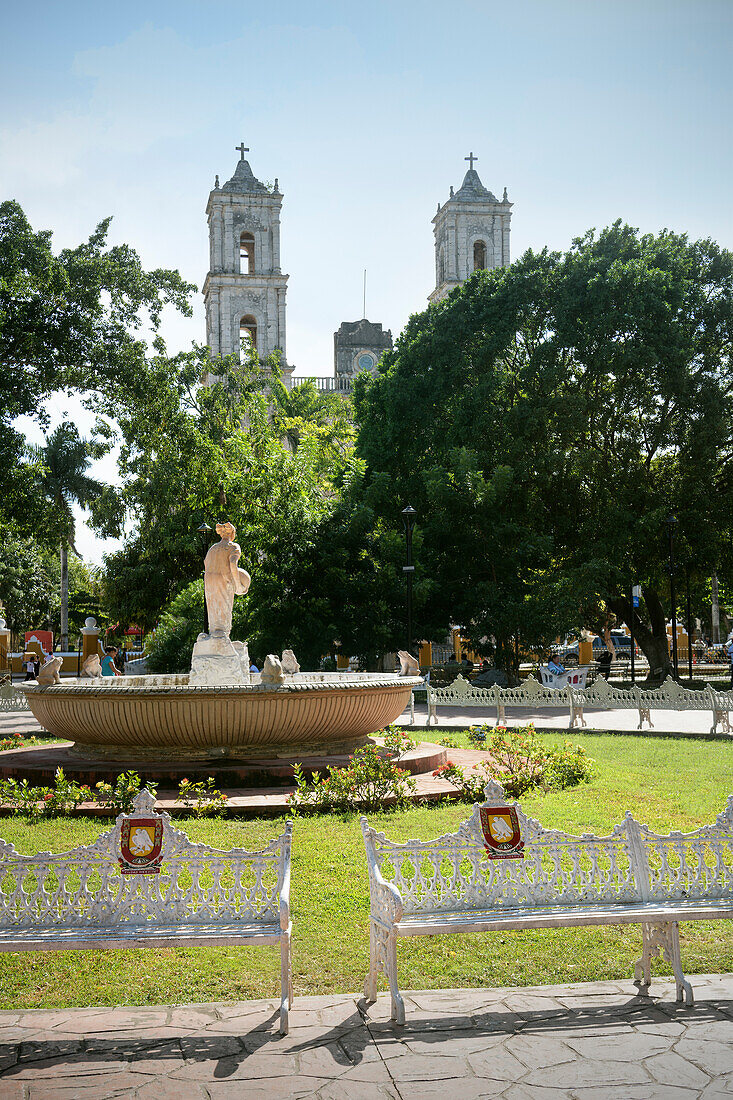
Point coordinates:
[(502, 870), (601, 695), (145, 884)]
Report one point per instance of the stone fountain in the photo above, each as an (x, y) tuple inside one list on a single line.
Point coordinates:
[(220, 710)]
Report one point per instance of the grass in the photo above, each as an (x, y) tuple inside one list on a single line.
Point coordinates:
[(668, 783)]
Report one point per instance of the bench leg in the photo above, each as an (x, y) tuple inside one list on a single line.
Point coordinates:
[(370, 983), (390, 969), (286, 981), (645, 716), (663, 938)]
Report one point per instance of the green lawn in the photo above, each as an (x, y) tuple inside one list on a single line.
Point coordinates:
[(668, 783)]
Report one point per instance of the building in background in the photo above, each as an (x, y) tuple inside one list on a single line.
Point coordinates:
[(244, 291), (471, 233), (358, 346)]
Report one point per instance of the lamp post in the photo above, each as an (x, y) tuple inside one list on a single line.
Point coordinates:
[(631, 629), (408, 519), (671, 524), (689, 623), (204, 532)]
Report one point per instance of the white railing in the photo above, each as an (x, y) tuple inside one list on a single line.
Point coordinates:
[(330, 384)]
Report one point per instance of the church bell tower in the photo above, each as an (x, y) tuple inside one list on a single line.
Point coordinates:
[(471, 232), (244, 291)]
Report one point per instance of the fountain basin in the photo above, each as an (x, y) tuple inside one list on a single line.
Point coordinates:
[(162, 717)]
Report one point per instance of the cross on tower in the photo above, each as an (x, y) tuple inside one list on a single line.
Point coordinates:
[(242, 150), (470, 158)]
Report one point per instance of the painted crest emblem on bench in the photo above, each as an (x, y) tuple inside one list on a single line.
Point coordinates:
[(141, 841), (502, 832)]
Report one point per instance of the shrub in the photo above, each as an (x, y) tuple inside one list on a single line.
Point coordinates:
[(205, 798), (477, 736), (36, 802), (520, 762), (449, 743), (372, 779), (121, 796)]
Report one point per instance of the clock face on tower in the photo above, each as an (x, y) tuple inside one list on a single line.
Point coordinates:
[(365, 361)]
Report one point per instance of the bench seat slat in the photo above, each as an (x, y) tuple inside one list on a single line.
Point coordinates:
[(71, 937), (555, 916)]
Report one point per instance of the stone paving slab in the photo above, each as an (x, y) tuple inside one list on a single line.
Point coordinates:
[(581, 1042)]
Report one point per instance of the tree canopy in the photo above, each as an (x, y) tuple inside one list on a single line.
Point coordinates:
[(544, 420), (75, 320)]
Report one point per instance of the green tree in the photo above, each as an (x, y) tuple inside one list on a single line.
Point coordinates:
[(193, 453), (68, 321), (544, 419), (27, 584), (66, 458)]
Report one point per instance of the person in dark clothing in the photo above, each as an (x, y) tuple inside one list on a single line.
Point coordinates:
[(604, 663)]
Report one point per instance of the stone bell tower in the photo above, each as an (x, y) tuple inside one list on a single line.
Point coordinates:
[(244, 291), (471, 232)]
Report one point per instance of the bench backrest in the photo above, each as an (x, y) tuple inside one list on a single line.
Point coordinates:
[(563, 691), (631, 864), (111, 881)]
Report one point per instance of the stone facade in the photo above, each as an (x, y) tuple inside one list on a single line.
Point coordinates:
[(471, 231), (358, 346), (245, 288)]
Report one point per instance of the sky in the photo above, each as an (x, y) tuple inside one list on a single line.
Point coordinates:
[(586, 111)]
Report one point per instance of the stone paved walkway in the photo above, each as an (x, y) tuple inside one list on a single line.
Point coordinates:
[(544, 1043)]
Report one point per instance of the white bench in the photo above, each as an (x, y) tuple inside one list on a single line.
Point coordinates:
[(632, 876), (145, 884), (602, 695)]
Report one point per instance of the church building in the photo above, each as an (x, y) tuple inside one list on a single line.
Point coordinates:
[(244, 292), (471, 233), (245, 289)]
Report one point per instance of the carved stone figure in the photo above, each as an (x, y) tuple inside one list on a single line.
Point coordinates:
[(289, 663), (49, 674), (272, 673), (92, 667), (223, 580), (409, 665)]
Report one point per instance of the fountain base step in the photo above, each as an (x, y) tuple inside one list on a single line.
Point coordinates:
[(38, 765)]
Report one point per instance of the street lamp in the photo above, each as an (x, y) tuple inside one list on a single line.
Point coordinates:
[(204, 532), (671, 524), (689, 624), (408, 520)]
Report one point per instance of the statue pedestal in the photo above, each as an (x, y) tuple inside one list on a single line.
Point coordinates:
[(219, 662)]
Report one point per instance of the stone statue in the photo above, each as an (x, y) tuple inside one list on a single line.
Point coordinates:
[(289, 663), (217, 660), (49, 674), (409, 665), (223, 580), (272, 673), (92, 667)]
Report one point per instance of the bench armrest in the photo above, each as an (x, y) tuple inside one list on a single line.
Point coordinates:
[(284, 896), (386, 900)]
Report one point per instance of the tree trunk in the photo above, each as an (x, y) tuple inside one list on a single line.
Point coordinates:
[(64, 555), (652, 642), (715, 610)]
